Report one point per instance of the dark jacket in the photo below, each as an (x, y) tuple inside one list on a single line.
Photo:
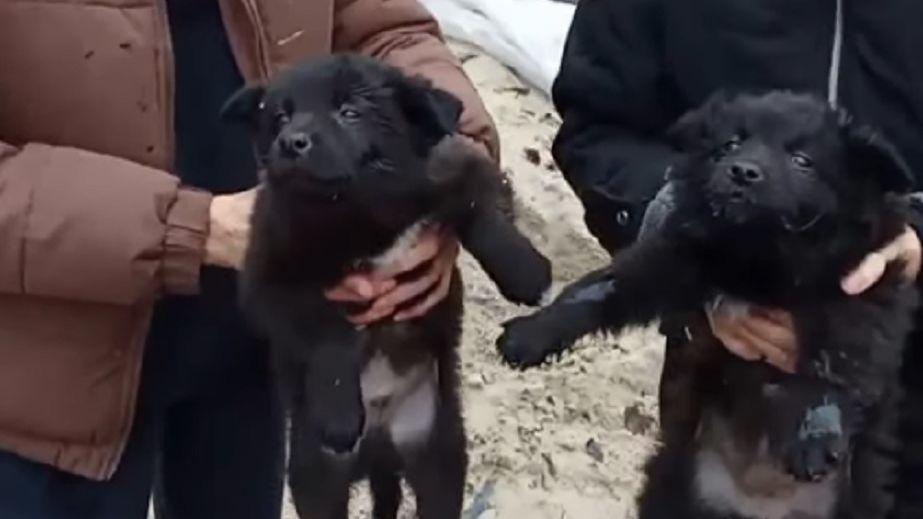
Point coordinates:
[(631, 67)]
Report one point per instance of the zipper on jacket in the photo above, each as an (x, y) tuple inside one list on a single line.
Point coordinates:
[(836, 54)]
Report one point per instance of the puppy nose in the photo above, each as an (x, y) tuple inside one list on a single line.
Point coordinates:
[(296, 143), (745, 172)]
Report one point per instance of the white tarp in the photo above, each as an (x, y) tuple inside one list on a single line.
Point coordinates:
[(526, 35)]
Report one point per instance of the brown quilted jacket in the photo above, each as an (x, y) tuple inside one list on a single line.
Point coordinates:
[(92, 227)]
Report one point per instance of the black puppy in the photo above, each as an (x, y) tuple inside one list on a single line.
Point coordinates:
[(358, 158), (779, 197)]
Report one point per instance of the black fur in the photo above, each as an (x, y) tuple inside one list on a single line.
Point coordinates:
[(355, 154), (778, 199)]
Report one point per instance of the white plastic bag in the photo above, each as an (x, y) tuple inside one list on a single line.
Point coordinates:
[(526, 35)]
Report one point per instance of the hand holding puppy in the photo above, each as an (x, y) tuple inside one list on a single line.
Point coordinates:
[(767, 334), (229, 229), (433, 254)]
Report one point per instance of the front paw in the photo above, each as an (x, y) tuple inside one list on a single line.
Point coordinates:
[(528, 282), (342, 436), (813, 458), (340, 431), (524, 344)]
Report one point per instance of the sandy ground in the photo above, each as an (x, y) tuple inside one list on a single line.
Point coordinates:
[(567, 440)]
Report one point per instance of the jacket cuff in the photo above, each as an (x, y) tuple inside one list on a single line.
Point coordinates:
[(184, 242)]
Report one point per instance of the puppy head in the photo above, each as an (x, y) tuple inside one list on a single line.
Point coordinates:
[(784, 159), (326, 127)]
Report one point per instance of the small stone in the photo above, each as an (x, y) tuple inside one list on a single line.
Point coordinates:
[(594, 450), (549, 464), (637, 421), (533, 156)]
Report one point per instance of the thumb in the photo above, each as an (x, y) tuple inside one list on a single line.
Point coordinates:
[(866, 274), (359, 285)]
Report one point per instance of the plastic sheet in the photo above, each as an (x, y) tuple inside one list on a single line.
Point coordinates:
[(526, 35)]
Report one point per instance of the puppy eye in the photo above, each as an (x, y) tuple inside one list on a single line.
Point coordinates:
[(349, 113), (730, 146), (281, 118), (802, 161)]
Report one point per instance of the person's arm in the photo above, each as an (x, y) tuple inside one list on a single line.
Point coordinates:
[(404, 34), (616, 103), (82, 226)]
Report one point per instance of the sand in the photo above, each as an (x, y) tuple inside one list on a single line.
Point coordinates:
[(566, 440)]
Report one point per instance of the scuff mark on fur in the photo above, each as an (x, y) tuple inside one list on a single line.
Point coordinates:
[(822, 420)]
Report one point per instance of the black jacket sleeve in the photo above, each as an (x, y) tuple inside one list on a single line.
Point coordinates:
[(616, 102)]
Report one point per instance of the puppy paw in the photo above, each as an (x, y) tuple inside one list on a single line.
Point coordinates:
[(528, 282), (813, 458), (341, 432), (524, 344)]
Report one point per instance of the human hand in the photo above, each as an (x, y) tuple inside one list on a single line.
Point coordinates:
[(229, 229), (763, 334), (431, 259), (755, 333), (905, 248)]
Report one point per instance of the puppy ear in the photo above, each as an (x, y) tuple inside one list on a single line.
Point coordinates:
[(692, 131), (431, 111), (244, 104), (871, 154)]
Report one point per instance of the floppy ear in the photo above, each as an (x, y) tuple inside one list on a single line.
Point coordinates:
[(692, 131), (434, 113), (244, 104), (871, 154)]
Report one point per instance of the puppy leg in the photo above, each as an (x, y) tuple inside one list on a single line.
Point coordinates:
[(437, 471), (875, 461), (653, 277), (319, 481), (521, 273), (669, 489), (333, 390), (306, 330), (386, 493)]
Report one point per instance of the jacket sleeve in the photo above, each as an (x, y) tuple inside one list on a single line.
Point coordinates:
[(404, 34), (615, 102), (80, 226)]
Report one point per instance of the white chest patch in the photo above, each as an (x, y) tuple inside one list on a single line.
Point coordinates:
[(403, 404), (401, 245), (717, 490)]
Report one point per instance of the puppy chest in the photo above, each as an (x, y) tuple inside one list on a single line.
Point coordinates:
[(717, 489), (401, 403), (403, 245)]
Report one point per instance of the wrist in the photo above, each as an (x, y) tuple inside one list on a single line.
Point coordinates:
[(219, 243)]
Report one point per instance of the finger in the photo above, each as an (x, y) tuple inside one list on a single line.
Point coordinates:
[(781, 336), (359, 288), (408, 290), (725, 327), (434, 298), (768, 350), (910, 253), (866, 274), (779, 317), (722, 324), (425, 248), (739, 346), (370, 316), (445, 264)]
